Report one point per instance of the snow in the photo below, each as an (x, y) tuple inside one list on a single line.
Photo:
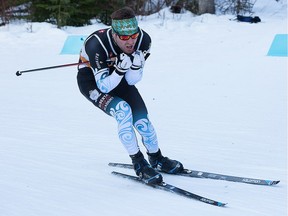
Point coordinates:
[(217, 101)]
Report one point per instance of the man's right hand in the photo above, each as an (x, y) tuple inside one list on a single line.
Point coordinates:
[(122, 64)]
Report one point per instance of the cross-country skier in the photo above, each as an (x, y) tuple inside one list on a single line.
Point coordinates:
[(116, 58)]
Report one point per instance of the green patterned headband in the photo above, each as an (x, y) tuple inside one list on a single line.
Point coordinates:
[(125, 26)]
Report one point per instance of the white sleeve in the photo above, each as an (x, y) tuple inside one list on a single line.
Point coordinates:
[(106, 82), (133, 76)]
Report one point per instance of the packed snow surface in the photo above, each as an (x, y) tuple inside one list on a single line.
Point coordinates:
[(217, 101)]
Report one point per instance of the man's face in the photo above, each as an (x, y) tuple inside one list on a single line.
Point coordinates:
[(127, 46)]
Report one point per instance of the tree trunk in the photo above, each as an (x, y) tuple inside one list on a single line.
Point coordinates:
[(206, 6)]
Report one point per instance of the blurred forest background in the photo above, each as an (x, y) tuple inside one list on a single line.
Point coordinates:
[(80, 13)]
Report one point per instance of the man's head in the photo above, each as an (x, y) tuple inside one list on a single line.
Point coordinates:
[(125, 29)]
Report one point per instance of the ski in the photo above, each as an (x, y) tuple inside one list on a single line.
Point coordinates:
[(171, 188), (208, 175)]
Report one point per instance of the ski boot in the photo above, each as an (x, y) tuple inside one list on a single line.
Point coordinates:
[(164, 164), (144, 170)]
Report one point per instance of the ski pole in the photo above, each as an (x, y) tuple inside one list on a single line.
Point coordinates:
[(18, 73)]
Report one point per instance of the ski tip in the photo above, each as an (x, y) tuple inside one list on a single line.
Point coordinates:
[(270, 182), (220, 204), (273, 182)]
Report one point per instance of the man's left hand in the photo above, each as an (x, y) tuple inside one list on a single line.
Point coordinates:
[(138, 61)]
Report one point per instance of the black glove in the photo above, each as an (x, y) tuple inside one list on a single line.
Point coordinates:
[(122, 64)]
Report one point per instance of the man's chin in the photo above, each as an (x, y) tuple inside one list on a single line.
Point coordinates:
[(129, 50)]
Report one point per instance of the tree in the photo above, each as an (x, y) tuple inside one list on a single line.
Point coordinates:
[(64, 12), (235, 6), (206, 6), (74, 12), (79, 13), (11, 9), (3, 14), (195, 6)]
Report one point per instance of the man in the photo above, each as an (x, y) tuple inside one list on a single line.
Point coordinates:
[(115, 58)]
